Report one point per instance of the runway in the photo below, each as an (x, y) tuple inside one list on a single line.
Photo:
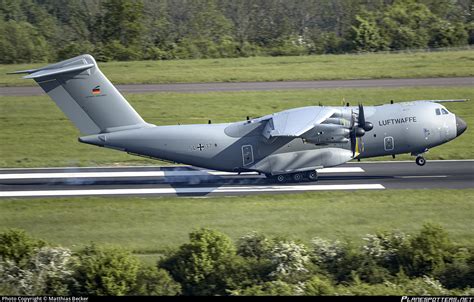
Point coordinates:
[(263, 86), (191, 181)]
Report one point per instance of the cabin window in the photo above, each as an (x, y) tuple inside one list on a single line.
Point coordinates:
[(438, 112), (444, 111)]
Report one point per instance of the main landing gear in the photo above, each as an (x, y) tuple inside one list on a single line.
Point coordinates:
[(420, 160), (295, 177)]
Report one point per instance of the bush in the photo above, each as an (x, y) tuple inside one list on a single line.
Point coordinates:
[(385, 249), (106, 272), (48, 272), (273, 288), (254, 245), (424, 286), (428, 251), (363, 289), (155, 282), (196, 265), (337, 258), (291, 261), (459, 273), (318, 286), (18, 247)]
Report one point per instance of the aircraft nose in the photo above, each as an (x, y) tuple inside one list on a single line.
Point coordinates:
[(461, 126)]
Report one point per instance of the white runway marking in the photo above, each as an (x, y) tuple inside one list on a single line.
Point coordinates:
[(423, 176), (150, 173), (197, 190)]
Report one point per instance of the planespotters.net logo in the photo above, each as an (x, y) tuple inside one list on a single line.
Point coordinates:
[(436, 299)]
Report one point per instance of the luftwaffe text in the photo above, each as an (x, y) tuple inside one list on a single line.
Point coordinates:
[(394, 121)]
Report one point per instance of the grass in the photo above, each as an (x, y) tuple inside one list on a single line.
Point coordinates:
[(318, 67), (150, 225), (35, 133)]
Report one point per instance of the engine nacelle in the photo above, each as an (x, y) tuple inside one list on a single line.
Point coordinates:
[(338, 121), (327, 134)]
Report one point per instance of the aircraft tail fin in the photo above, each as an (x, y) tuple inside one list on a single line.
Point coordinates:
[(86, 96)]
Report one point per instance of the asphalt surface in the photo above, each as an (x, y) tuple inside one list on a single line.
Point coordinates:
[(248, 86), (190, 181)]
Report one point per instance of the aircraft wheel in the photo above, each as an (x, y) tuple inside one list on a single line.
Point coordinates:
[(281, 178), (312, 175), (298, 177), (420, 161)]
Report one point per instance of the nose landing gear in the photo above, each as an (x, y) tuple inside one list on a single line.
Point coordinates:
[(420, 160)]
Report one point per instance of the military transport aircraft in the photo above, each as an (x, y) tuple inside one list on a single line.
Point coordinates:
[(287, 146)]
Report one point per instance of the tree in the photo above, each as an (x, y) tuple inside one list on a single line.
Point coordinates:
[(20, 42), (410, 24), (121, 29), (445, 34), (122, 21), (367, 36), (106, 272)]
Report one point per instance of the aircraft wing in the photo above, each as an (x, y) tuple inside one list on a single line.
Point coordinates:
[(296, 122), (447, 101)]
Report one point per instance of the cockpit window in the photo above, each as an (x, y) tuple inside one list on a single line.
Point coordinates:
[(444, 111), (438, 112)]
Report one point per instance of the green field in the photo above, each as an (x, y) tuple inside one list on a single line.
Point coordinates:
[(320, 67), (35, 133), (150, 225)]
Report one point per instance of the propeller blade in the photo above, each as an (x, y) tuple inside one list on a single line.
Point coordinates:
[(353, 138), (367, 126), (352, 119), (361, 116)]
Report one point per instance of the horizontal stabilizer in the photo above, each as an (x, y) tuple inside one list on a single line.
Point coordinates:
[(50, 72), (23, 71)]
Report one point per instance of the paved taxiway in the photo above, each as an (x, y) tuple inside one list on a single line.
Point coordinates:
[(190, 181), (246, 86)]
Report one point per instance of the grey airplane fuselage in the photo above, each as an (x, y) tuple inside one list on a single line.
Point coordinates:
[(398, 128), (292, 142)]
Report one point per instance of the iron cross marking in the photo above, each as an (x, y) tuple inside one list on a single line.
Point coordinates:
[(200, 147)]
